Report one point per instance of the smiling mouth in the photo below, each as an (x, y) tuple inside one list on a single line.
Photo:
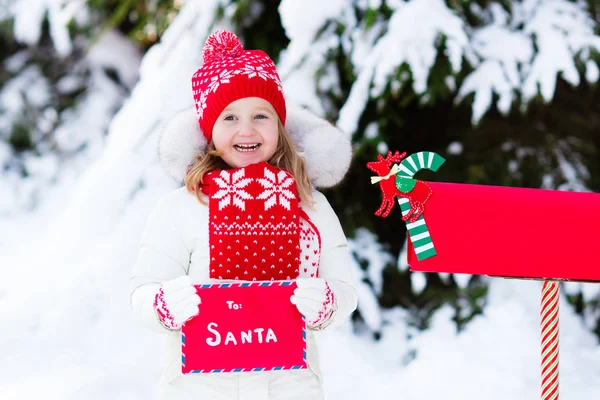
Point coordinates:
[(246, 147)]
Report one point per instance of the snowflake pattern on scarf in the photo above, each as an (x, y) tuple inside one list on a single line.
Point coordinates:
[(277, 189), (257, 229), (231, 189)]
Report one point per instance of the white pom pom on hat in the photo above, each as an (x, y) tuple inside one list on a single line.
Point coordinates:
[(220, 46)]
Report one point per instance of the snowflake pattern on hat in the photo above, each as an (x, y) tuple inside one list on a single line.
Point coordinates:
[(255, 71), (276, 79), (223, 77)]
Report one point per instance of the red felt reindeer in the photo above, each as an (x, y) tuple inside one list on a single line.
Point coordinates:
[(417, 197)]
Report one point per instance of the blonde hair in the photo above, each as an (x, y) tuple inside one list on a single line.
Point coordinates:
[(285, 157)]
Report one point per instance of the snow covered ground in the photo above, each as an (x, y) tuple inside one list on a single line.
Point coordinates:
[(69, 333)]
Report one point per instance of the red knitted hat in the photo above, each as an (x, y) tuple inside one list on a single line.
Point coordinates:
[(230, 73)]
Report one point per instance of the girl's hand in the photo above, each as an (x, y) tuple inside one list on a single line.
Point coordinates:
[(176, 302), (315, 300)]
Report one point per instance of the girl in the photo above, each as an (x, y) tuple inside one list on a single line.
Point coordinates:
[(243, 165)]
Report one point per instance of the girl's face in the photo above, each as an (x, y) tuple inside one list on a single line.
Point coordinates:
[(246, 132)]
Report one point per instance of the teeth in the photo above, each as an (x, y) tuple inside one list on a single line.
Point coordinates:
[(247, 147)]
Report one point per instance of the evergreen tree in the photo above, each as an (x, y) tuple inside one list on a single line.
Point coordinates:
[(57, 96), (505, 90)]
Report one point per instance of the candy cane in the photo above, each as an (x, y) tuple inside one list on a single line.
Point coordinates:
[(418, 231), (549, 315), (418, 161), (419, 234)]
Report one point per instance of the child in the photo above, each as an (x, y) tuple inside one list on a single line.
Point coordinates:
[(243, 163)]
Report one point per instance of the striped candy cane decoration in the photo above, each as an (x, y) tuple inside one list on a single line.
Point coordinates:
[(549, 314), (419, 234), (418, 161)]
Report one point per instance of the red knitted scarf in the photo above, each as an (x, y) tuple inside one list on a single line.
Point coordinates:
[(254, 227)]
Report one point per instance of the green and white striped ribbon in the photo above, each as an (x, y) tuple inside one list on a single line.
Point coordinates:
[(418, 161), (419, 234)]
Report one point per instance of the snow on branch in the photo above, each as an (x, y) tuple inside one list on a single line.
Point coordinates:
[(412, 34), (499, 53), (312, 37), (516, 53), (29, 16), (523, 52)]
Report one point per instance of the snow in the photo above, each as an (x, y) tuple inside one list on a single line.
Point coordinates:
[(366, 248), (28, 21), (382, 148), (300, 26), (495, 357), (522, 53), (111, 50), (402, 261), (462, 280), (16, 62), (455, 148), (29, 15), (371, 130), (411, 35), (592, 73), (502, 51), (79, 136), (69, 331), (573, 173), (589, 292), (504, 57), (300, 61), (418, 282), (30, 86), (368, 306)]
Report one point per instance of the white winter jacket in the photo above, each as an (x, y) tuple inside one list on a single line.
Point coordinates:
[(175, 242)]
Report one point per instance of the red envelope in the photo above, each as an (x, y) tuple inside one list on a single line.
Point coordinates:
[(512, 232), (245, 326)]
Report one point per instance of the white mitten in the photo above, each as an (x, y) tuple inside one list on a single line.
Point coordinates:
[(176, 302), (314, 299)]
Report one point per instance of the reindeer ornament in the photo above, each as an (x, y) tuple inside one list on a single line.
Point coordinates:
[(393, 185), (397, 181)]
